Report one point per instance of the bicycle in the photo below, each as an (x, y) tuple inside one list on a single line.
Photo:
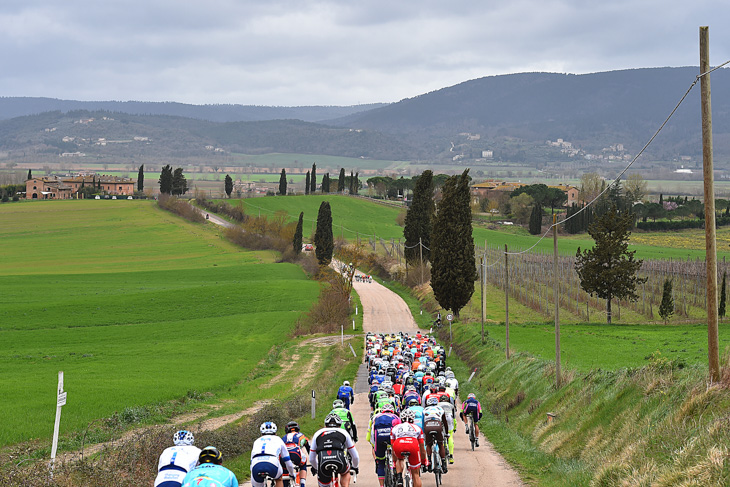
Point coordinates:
[(389, 468), (471, 431), (435, 459), (407, 478)]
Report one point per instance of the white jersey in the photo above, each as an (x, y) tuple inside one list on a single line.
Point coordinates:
[(269, 446), (175, 462), (433, 412), (406, 430), (449, 412), (452, 383)]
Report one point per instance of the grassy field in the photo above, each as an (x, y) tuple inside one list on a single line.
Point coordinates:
[(136, 306), (351, 215)]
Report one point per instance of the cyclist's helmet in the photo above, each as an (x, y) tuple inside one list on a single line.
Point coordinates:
[(432, 401), (292, 425), (338, 403), (332, 421), (346, 383), (471, 396), (387, 408), (413, 402), (445, 398), (183, 437), (408, 416), (268, 428), (210, 454)]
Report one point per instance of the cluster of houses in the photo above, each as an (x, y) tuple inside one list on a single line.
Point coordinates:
[(497, 190), (64, 188)]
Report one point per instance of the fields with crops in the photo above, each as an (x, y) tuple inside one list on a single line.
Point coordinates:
[(135, 305)]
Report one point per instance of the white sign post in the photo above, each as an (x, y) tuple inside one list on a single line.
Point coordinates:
[(450, 317), (314, 407), (60, 402)]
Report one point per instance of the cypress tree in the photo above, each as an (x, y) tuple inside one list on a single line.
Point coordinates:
[(140, 178), (165, 180), (306, 184), (313, 179), (723, 297), (341, 181), (419, 219), (352, 183), (666, 308), (535, 226), (282, 183), (356, 184), (179, 183), (326, 183), (297, 242), (661, 198), (228, 185), (453, 269), (30, 174), (323, 239)]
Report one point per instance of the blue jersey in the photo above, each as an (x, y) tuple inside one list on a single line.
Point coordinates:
[(210, 475), (419, 415), (345, 391)]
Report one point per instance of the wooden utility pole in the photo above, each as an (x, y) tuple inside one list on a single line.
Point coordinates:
[(713, 346), (484, 300), (506, 298), (556, 284), (420, 250)]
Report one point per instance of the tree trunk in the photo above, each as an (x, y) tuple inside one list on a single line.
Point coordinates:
[(608, 311)]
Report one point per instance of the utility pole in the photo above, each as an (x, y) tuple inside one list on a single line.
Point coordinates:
[(556, 284), (713, 346), (506, 298), (484, 298), (420, 250)]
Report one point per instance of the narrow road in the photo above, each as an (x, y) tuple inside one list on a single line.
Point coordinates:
[(385, 312)]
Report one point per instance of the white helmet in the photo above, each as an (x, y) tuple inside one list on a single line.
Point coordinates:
[(346, 383), (268, 428), (183, 437)]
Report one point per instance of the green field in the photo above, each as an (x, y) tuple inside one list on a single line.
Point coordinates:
[(136, 306), (353, 216)]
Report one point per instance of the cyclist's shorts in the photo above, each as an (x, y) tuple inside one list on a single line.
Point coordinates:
[(170, 478), (410, 445), (381, 445), (472, 411), (296, 458), (263, 466), (433, 428), (331, 462)]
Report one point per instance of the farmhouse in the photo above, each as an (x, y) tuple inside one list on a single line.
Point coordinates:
[(63, 188), (496, 190)]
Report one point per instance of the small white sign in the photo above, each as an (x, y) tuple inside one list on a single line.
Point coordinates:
[(450, 317), (61, 401)]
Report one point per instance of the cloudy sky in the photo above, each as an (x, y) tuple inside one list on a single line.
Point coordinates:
[(331, 52)]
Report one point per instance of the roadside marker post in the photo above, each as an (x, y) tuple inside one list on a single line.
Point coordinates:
[(450, 317), (450, 347), (313, 405), (60, 402), (353, 325), (352, 350), (472, 375)]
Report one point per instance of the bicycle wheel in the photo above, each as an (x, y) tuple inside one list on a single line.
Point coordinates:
[(436, 464), (389, 472), (472, 433)]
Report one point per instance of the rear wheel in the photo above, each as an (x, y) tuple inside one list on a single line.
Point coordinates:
[(472, 433)]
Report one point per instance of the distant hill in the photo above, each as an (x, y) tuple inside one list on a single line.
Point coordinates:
[(511, 115), (11, 107), (121, 136), (591, 110)]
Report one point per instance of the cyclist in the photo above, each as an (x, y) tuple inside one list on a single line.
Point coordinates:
[(379, 437), (346, 394), (406, 437), (176, 461), (267, 455), (345, 416), (210, 471), (450, 412), (333, 452), (298, 446), (472, 407), (434, 426)]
